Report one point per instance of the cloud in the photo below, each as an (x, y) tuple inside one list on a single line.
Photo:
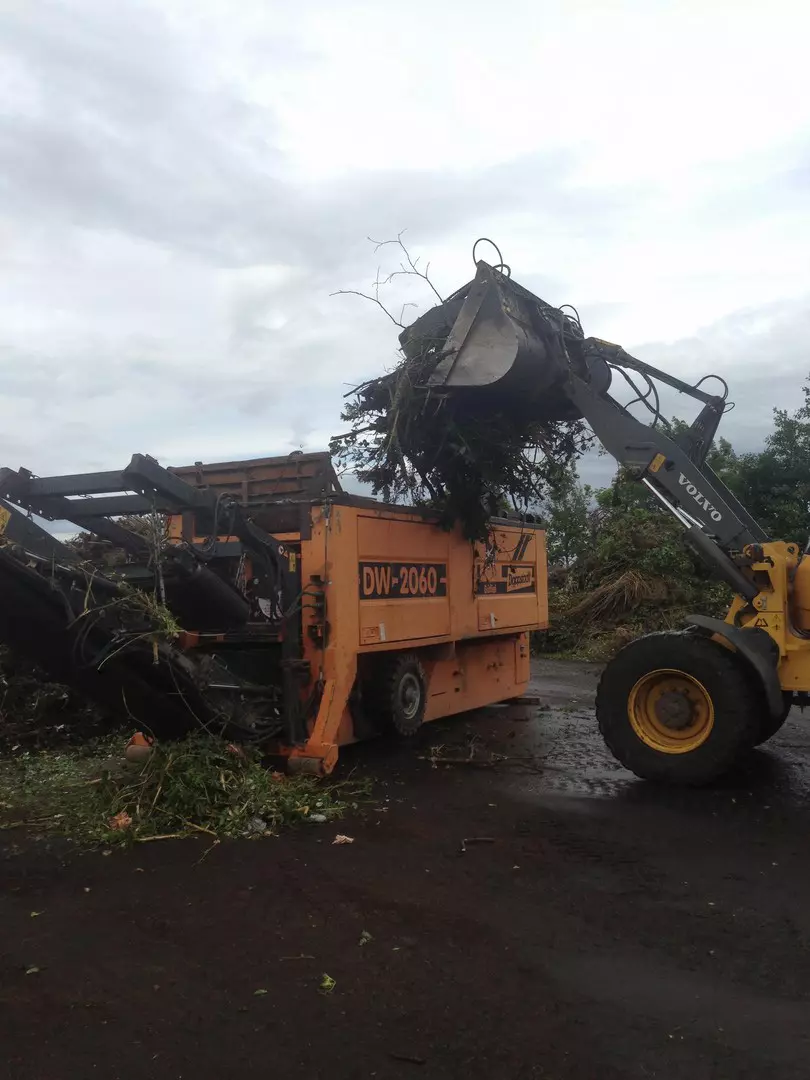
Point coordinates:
[(761, 353), (183, 186), (124, 132)]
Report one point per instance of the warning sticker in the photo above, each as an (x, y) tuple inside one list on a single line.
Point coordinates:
[(507, 578)]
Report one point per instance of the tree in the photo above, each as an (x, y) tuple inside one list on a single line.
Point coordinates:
[(628, 567), (774, 485), (566, 512), (726, 463), (722, 458)]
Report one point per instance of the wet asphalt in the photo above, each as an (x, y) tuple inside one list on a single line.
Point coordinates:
[(514, 905)]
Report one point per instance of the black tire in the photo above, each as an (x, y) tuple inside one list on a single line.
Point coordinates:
[(736, 706), (769, 725), (397, 695)]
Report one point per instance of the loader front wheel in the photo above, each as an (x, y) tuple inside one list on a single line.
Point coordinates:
[(398, 694), (677, 708)]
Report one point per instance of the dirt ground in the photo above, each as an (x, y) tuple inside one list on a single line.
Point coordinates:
[(606, 929)]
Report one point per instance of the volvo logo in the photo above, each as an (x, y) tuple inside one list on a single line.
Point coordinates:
[(699, 498)]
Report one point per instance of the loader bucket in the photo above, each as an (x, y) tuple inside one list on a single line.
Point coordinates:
[(496, 338)]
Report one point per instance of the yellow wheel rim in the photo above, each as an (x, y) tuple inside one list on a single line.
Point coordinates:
[(670, 711)]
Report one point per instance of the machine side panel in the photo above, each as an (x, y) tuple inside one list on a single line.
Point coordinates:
[(509, 582), (403, 580), (479, 673)]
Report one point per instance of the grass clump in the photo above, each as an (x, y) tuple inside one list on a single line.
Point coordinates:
[(201, 785)]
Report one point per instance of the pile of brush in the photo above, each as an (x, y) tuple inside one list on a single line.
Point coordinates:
[(36, 712), (635, 576), (99, 793), (594, 622), (466, 456)]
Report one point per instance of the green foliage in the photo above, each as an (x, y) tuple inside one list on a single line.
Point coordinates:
[(721, 458), (634, 574), (200, 785), (726, 463), (622, 565), (462, 453), (566, 513), (412, 444), (774, 485)]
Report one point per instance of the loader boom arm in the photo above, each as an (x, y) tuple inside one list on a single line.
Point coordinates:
[(716, 523)]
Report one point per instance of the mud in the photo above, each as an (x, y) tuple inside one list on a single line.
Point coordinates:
[(605, 929)]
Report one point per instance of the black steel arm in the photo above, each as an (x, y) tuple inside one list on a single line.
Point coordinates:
[(615, 354), (715, 521), (157, 490), (16, 487)]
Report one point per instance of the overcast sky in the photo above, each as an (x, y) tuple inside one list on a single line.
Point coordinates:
[(183, 184)]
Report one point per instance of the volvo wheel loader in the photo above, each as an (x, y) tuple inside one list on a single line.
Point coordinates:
[(681, 706)]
